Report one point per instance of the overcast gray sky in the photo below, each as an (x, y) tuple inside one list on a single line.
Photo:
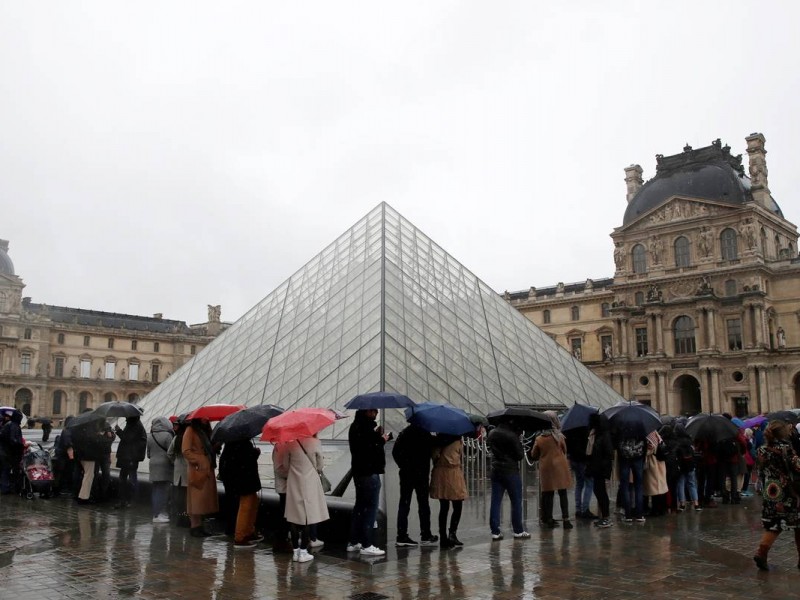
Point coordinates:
[(162, 156)]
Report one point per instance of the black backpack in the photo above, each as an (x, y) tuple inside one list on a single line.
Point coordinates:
[(727, 448)]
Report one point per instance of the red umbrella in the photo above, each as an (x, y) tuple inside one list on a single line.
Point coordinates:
[(296, 424), (214, 412)]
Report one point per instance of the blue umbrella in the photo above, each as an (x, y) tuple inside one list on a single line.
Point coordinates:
[(632, 419), (577, 416), (377, 400), (440, 418)]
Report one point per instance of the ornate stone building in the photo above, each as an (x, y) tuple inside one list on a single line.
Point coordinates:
[(703, 311), (56, 361)]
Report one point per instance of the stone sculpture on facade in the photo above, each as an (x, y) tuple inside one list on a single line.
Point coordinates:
[(781, 334), (214, 313), (705, 241)]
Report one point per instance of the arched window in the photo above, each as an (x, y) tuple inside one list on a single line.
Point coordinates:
[(639, 259), (730, 287), (729, 243), (575, 313), (638, 298), (605, 310), (84, 398), (109, 397), (133, 398), (682, 257), (58, 397), (23, 399), (546, 317), (684, 335)]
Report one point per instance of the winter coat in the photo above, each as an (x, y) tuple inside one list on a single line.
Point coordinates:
[(599, 462), (88, 441), (238, 468), (279, 469), (179, 464), (412, 451), (554, 473), (447, 477), (158, 442), (506, 449), (201, 492), (366, 447), (11, 439), (305, 500), (654, 480), (132, 444)]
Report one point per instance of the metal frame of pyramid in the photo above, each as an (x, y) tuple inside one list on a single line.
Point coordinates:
[(381, 308)]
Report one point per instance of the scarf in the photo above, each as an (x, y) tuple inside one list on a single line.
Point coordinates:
[(555, 430)]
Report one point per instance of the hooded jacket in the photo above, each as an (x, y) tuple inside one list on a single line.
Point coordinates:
[(506, 449), (158, 442), (132, 443)]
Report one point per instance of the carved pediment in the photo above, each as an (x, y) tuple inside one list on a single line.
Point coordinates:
[(675, 210)]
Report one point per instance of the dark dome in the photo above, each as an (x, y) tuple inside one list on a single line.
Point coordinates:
[(6, 266), (709, 172)]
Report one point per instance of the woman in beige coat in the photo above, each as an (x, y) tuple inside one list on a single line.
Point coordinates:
[(201, 493), (448, 485), (305, 500), (654, 478), (550, 449)]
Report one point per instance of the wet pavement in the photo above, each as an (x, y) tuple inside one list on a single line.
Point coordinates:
[(52, 548)]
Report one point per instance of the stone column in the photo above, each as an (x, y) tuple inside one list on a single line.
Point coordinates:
[(623, 325), (752, 384), (626, 385), (660, 333), (633, 181), (747, 328), (716, 400), (712, 329), (763, 389), (758, 317), (757, 155), (702, 326)]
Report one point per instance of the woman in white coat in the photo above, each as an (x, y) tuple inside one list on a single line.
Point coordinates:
[(305, 500)]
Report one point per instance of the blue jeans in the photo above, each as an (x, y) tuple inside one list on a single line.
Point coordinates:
[(626, 467), (511, 483), (685, 479), (583, 487), (368, 492)]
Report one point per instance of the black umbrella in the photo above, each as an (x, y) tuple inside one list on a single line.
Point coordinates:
[(711, 428), (244, 424), (632, 419), (120, 410), (783, 415), (376, 400), (577, 416), (85, 418), (526, 419)]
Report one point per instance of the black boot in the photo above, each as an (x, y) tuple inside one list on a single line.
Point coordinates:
[(454, 541), (198, 532), (444, 540)]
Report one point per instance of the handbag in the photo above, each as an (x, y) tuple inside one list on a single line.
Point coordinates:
[(324, 481)]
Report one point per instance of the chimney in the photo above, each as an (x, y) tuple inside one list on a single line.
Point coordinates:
[(757, 155), (4, 245), (633, 181), (158, 316)]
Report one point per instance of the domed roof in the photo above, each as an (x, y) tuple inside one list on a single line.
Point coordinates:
[(6, 266), (709, 172)]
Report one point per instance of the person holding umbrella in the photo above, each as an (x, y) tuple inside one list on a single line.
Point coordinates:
[(238, 471), (599, 458), (550, 449), (12, 446), (367, 463), (507, 451), (412, 453), (201, 493), (448, 485), (130, 452)]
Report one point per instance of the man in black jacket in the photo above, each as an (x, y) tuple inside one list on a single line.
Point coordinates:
[(412, 453), (130, 452), (507, 451), (367, 463)]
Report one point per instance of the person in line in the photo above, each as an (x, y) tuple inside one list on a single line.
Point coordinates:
[(102, 466), (131, 451), (685, 457), (367, 463), (161, 468), (201, 493), (507, 451), (412, 453), (631, 466), (448, 486), (238, 471), (779, 510), (654, 478), (47, 427), (281, 543), (180, 478), (749, 464), (63, 461), (576, 454), (12, 446), (88, 445), (305, 500), (313, 447), (599, 459), (550, 449)]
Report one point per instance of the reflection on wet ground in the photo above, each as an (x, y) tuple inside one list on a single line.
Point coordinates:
[(55, 549)]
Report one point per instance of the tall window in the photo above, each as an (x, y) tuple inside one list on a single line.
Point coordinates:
[(577, 349), (86, 368), (682, 258), (641, 341), (28, 333), (606, 347), (156, 346), (155, 374), (60, 338), (133, 372), (110, 343), (59, 366), (575, 313), (734, 334), (25, 364), (684, 335), (730, 287), (638, 298), (546, 317), (86, 341), (58, 395), (729, 244), (605, 309), (192, 349), (134, 344), (83, 401), (639, 259), (110, 367)]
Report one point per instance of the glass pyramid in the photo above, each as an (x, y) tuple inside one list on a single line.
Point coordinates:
[(381, 308)]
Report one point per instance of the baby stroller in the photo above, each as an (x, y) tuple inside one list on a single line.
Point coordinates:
[(37, 472)]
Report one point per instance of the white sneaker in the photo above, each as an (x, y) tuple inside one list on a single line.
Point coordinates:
[(161, 519), (353, 547), (303, 556), (316, 544), (296, 554), (522, 535), (372, 551)]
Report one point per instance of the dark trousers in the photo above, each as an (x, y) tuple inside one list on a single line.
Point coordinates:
[(601, 493), (102, 477), (444, 508), (368, 490), (299, 536), (729, 470), (635, 467), (418, 483), (547, 505), (128, 480)]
